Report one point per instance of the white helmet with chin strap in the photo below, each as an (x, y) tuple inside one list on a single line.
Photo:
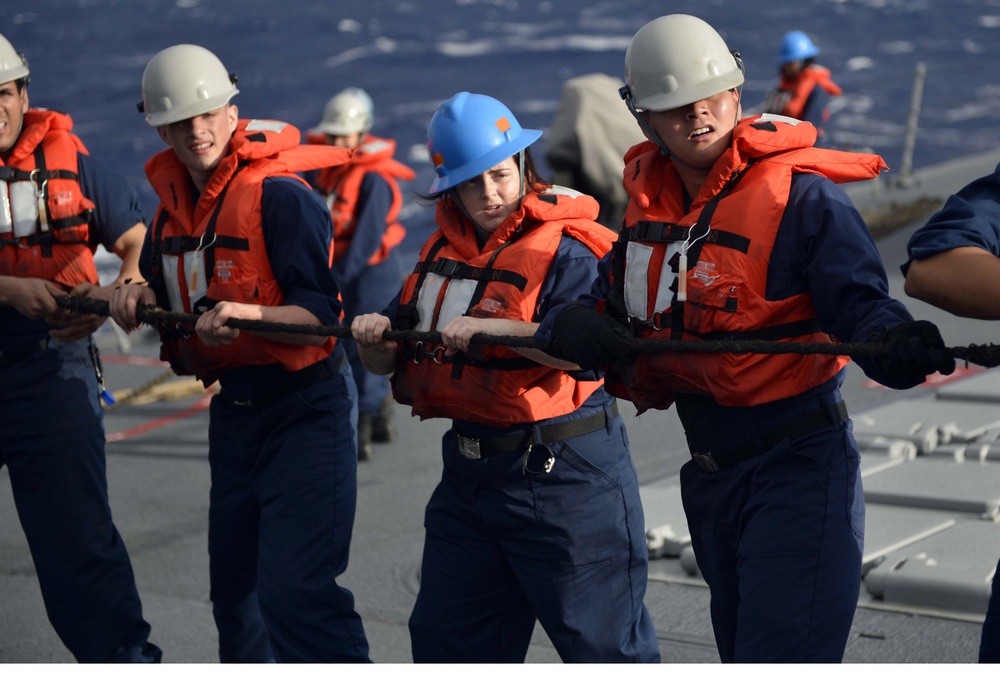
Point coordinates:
[(182, 82), (13, 64), (347, 112), (674, 61)]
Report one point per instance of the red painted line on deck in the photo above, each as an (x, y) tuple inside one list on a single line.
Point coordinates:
[(197, 406)]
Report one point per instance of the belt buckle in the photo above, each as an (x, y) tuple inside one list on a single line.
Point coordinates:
[(705, 461), (469, 448)]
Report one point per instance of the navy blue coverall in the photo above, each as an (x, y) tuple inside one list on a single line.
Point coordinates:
[(53, 448), (507, 544), (284, 475), (779, 537)]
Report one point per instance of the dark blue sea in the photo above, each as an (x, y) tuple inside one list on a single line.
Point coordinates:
[(87, 58)]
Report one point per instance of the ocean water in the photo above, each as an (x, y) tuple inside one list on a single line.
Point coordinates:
[(87, 58)]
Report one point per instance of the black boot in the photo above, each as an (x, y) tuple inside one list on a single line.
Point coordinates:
[(365, 448), (381, 431)]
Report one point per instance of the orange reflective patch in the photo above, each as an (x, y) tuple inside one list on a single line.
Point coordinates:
[(502, 124), (438, 159)]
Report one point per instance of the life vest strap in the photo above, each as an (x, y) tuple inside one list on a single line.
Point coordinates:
[(16, 174), (179, 244), (668, 232), (453, 268)]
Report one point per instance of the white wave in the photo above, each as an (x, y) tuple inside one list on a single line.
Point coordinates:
[(859, 63), (897, 47), (972, 111), (973, 47), (349, 26), (417, 154), (519, 43), (380, 46)]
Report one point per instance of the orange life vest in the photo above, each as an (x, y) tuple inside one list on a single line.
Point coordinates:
[(44, 216), (491, 385), (216, 249), (795, 90), (341, 186), (727, 234)]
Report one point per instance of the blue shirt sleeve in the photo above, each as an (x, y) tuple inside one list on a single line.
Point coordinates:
[(374, 202), (591, 293), (117, 203), (969, 218), (569, 278), (824, 248), (297, 232)]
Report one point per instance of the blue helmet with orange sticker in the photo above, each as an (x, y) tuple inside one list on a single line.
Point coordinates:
[(469, 134)]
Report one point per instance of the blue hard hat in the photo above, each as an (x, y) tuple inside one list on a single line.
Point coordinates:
[(469, 134), (796, 46)]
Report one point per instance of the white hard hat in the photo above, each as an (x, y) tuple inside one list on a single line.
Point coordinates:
[(13, 65), (182, 82), (347, 112), (677, 60)]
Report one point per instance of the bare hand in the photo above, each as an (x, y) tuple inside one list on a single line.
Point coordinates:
[(34, 297), (125, 300), (70, 326), (457, 335), (211, 326), (368, 330), (377, 353)]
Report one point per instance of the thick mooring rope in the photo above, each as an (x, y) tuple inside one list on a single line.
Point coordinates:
[(986, 355)]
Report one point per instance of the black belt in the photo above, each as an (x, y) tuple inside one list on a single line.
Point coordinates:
[(22, 353), (475, 449), (799, 426), (296, 381)]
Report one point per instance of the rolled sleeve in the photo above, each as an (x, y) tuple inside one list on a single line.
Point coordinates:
[(117, 207), (969, 218)]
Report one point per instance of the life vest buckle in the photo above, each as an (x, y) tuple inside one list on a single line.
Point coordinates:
[(437, 354)]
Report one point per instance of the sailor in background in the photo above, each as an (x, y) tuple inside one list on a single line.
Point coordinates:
[(364, 199), (804, 87)]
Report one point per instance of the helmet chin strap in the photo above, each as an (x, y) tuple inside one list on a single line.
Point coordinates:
[(453, 194), (651, 134)]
